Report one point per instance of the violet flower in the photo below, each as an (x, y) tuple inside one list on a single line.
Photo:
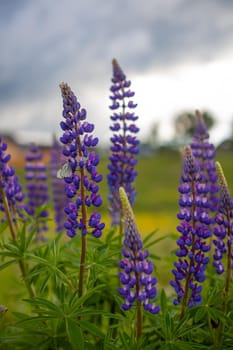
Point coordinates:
[(58, 186), (194, 231), (124, 142), (205, 153), (37, 189), (136, 277), (80, 170), (223, 229), (9, 184)]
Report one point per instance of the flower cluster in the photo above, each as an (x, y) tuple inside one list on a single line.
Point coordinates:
[(223, 229), (9, 183), (58, 186), (194, 230), (124, 142), (37, 189), (205, 153), (80, 170), (136, 278)]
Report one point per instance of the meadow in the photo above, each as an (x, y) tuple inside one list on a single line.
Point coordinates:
[(155, 209)]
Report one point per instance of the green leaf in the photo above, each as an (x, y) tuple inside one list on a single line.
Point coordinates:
[(46, 306), (90, 327), (110, 236), (124, 337), (75, 334), (169, 325), (163, 301), (8, 263), (216, 315), (200, 314), (148, 237)]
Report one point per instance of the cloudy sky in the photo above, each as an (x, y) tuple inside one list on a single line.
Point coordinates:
[(177, 53)]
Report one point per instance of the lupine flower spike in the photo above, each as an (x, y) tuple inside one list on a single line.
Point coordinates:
[(58, 187), (124, 143), (194, 231), (37, 189), (205, 153), (224, 230), (80, 174), (11, 195), (138, 284)]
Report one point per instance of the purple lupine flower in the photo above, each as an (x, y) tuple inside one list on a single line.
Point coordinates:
[(124, 142), (205, 153), (194, 231), (9, 183), (58, 186), (37, 189), (80, 170), (138, 284), (223, 229)]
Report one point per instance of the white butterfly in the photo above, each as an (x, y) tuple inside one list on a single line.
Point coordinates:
[(3, 310), (64, 171)]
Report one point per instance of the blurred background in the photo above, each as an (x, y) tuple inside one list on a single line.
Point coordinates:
[(177, 53)]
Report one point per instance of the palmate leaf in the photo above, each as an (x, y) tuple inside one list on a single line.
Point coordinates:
[(17, 249), (46, 307), (91, 328), (47, 267), (75, 303)]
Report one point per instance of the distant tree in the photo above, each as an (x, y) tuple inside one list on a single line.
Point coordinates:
[(153, 134), (184, 123)]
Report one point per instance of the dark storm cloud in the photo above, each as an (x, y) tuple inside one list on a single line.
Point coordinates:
[(45, 42)]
